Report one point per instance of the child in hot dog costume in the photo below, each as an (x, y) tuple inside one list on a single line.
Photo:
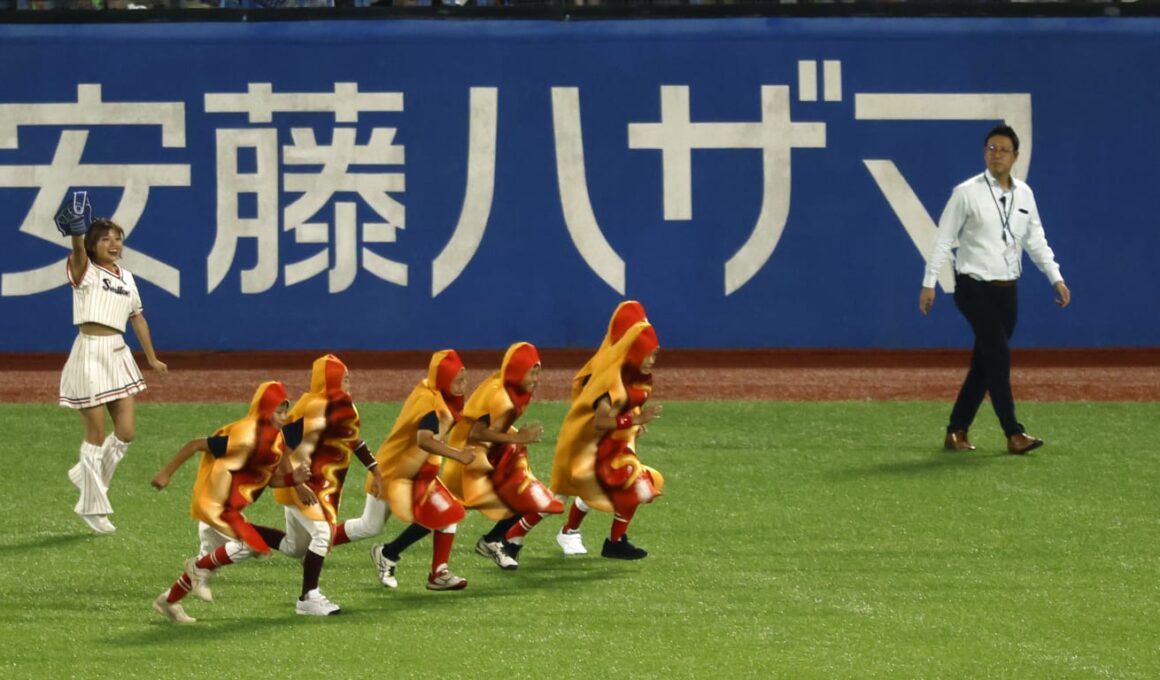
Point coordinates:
[(407, 476), (596, 456), (238, 462), (329, 439), (499, 482)]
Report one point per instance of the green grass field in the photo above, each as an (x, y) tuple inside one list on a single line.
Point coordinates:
[(794, 540)]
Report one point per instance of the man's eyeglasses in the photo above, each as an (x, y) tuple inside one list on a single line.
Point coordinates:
[(991, 148)]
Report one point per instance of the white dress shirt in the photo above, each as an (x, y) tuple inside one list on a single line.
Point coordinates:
[(973, 222)]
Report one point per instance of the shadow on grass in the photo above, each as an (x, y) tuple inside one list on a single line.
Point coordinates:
[(43, 542), (161, 632), (930, 463), (538, 574), (382, 604)]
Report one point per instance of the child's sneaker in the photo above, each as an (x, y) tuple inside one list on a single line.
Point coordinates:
[(445, 580), (171, 610)]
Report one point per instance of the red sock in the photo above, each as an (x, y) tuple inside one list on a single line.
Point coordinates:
[(340, 536), (179, 589), (217, 558), (522, 527), (619, 526), (442, 552), (575, 517)]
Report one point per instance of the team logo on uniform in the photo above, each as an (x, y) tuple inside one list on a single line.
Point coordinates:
[(117, 289)]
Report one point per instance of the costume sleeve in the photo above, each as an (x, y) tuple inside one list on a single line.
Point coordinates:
[(292, 434), (430, 422), (499, 406), (218, 445)]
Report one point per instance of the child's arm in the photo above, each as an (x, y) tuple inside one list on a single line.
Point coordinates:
[(161, 479), (364, 455), (607, 420), (299, 475), (481, 432), (286, 467), (428, 442)]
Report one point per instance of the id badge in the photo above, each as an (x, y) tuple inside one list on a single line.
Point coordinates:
[(1012, 256)]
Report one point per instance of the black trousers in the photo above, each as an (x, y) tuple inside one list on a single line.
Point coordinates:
[(992, 311)]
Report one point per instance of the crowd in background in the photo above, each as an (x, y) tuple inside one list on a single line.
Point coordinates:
[(276, 4)]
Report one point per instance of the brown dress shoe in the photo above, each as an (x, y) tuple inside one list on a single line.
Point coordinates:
[(957, 441), (1021, 443)]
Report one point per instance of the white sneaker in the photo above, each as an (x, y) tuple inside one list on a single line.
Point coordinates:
[(316, 604), (385, 566), (445, 580), (198, 580), (171, 610), (570, 542), (494, 550), (99, 523)]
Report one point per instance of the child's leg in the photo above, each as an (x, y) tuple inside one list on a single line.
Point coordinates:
[(523, 526), (406, 539), (374, 516), (500, 530), (576, 515)]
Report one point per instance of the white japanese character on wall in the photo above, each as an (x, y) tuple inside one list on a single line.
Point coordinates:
[(66, 170), (675, 136), (341, 254)]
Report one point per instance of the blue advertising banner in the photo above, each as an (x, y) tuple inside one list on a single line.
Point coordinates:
[(419, 184)]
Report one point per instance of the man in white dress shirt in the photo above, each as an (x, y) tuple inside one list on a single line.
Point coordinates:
[(991, 218)]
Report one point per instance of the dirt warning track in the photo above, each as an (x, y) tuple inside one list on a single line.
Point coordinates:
[(807, 375)]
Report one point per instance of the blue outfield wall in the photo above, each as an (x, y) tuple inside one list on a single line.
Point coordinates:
[(419, 184)]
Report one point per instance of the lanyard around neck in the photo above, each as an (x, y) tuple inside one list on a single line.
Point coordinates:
[(1004, 217)]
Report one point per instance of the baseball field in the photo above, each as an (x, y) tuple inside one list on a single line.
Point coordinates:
[(812, 526)]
